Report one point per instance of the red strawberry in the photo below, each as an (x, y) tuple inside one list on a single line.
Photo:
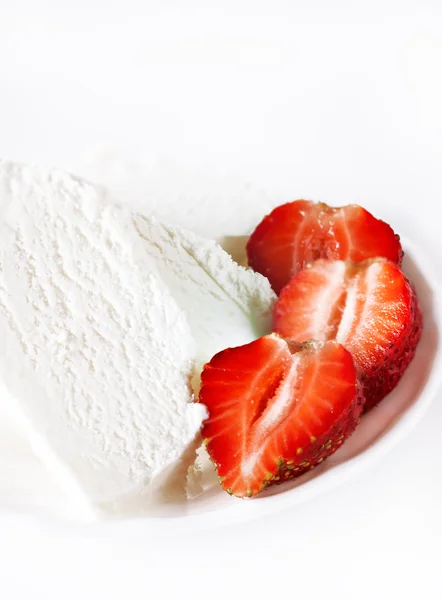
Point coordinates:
[(300, 232), (276, 409), (369, 307)]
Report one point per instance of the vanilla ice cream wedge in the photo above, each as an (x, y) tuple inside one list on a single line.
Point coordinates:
[(105, 318), (96, 356)]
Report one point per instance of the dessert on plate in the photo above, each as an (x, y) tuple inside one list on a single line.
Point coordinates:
[(106, 318), (124, 341)]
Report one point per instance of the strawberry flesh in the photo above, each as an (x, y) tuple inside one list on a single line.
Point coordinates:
[(299, 232), (276, 409), (368, 307)]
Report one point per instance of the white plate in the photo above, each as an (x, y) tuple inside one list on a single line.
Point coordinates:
[(379, 431)]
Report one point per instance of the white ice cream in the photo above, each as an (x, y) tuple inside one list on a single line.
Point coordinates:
[(225, 304), (103, 314)]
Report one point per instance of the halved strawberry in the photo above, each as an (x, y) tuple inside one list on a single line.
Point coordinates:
[(369, 307), (277, 409), (300, 232)]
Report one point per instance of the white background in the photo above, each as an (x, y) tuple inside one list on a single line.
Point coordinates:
[(329, 100)]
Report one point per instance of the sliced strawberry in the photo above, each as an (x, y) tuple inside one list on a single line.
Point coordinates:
[(277, 409), (369, 307), (299, 232)]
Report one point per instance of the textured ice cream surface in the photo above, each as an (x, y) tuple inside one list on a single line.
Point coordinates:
[(105, 318), (95, 354), (225, 304)]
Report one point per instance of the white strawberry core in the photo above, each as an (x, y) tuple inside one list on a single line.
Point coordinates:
[(281, 399), (328, 297), (348, 314), (278, 406), (358, 325)]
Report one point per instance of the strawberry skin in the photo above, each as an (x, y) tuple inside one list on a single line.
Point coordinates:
[(299, 232), (369, 307), (277, 409)]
